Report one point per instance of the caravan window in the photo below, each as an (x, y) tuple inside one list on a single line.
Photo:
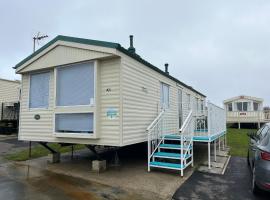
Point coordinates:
[(39, 90), (242, 106), (74, 123), (255, 106), (229, 106), (188, 101), (164, 95), (75, 85)]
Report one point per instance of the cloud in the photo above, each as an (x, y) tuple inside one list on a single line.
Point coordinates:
[(218, 47)]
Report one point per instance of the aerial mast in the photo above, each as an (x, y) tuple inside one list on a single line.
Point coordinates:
[(37, 38)]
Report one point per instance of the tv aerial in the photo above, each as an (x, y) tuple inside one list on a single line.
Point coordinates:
[(37, 38)]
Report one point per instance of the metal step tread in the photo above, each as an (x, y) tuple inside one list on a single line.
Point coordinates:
[(174, 146), (172, 137), (166, 165), (170, 155)]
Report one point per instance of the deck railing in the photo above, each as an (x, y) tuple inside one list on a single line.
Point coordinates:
[(247, 116), (216, 119), (9, 111)]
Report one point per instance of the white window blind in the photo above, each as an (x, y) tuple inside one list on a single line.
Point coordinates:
[(75, 85), (74, 123), (39, 90)]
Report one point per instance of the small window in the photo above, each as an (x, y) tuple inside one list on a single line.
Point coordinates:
[(230, 107), (75, 85), (239, 106), (39, 90), (201, 105), (74, 123), (165, 95), (188, 101), (245, 105), (255, 106), (197, 104)]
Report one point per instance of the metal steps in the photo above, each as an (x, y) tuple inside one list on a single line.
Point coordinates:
[(168, 154)]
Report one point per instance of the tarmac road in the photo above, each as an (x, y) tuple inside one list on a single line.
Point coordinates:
[(235, 184)]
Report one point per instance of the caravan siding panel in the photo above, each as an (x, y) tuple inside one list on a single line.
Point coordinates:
[(9, 92), (62, 55), (141, 100), (108, 129)]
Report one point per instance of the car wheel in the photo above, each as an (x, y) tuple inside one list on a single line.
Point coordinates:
[(255, 188)]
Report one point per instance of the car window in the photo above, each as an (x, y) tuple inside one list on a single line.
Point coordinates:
[(266, 140), (262, 132)]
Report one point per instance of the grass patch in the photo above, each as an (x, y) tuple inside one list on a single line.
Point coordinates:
[(40, 151), (238, 141)]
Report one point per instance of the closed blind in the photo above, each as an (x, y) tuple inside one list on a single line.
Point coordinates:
[(39, 90), (75, 85), (74, 123)]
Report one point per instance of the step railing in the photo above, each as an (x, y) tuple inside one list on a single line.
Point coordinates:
[(155, 132), (186, 132)]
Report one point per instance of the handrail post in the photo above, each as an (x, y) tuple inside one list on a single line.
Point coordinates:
[(182, 143), (149, 151)]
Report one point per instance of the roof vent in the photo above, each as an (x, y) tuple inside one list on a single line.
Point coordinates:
[(131, 49), (166, 68)]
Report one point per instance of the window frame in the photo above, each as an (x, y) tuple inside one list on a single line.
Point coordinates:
[(162, 95), (229, 105), (257, 106), (242, 106), (29, 90), (76, 109), (189, 100), (55, 85)]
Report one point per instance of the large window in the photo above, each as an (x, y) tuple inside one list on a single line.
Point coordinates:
[(164, 95), (75, 85), (74, 123), (39, 90), (242, 106)]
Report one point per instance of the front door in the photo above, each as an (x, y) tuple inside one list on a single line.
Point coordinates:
[(180, 108)]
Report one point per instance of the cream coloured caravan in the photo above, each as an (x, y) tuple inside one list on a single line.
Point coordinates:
[(92, 92), (9, 92)]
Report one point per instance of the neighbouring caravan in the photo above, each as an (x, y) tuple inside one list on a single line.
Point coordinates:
[(246, 110), (92, 92), (9, 105)]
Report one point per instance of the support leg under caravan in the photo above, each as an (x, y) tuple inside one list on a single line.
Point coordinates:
[(55, 154), (209, 155)]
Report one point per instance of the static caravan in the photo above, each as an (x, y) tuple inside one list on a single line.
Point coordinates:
[(9, 105), (245, 109), (92, 92)]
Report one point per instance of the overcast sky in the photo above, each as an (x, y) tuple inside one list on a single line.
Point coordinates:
[(220, 48)]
